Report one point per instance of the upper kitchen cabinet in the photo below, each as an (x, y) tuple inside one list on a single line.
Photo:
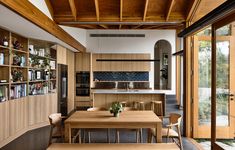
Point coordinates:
[(61, 55), (105, 63), (83, 61)]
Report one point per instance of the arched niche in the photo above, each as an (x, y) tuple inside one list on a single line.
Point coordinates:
[(162, 68)]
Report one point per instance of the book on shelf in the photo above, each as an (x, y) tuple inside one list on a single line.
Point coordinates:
[(18, 91), (3, 93)]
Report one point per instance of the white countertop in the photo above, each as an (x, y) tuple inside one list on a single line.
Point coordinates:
[(128, 92)]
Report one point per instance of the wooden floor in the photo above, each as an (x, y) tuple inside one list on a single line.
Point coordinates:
[(38, 139)]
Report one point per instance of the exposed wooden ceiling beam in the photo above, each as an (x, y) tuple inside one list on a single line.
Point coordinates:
[(193, 10), (169, 8), (145, 9), (97, 10), (50, 8), (34, 15), (73, 9), (121, 7), (104, 26)]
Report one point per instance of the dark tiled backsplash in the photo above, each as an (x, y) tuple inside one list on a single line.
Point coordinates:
[(121, 76)]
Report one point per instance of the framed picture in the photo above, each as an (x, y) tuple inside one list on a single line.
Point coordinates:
[(164, 59)]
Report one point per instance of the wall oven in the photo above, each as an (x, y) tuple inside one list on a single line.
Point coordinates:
[(82, 84)]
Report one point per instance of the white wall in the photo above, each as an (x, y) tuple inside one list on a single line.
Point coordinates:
[(41, 5), (132, 45), (77, 33)]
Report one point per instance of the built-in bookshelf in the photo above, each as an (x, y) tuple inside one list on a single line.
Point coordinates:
[(27, 66), (42, 67)]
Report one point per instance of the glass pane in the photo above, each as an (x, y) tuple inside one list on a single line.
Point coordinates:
[(222, 82), (224, 31), (204, 82)]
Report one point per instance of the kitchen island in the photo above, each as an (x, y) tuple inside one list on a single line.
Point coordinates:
[(104, 98)]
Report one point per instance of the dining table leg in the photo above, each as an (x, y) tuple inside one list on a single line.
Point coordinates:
[(149, 136), (159, 133), (69, 133)]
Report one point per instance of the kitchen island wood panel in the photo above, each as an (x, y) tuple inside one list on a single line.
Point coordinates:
[(105, 99)]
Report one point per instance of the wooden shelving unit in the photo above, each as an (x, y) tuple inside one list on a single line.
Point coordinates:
[(16, 65), (42, 56)]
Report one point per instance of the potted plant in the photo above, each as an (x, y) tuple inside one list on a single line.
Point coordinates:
[(17, 75), (35, 61), (46, 63), (116, 108)]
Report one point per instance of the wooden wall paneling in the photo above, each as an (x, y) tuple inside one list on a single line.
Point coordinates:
[(4, 119), (61, 55), (178, 69), (17, 115), (78, 59), (71, 79)]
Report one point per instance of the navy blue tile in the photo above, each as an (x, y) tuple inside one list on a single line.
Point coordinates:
[(121, 76)]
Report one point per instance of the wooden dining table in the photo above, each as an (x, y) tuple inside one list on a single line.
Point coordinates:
[(104, 119)]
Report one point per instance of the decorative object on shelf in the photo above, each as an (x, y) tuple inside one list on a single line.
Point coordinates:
[(165, 59), (16, 60), (116, 108), (3, 93), (164, 73), (52, 64), (22, 61), (17, 75), (45, 87), (5, 41), (16, 44), (1, 58), (31, 49)]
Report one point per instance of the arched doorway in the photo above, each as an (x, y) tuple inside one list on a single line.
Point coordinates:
[(162, 68)]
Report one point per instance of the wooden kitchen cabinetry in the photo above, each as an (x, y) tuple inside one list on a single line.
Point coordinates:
[(120, 65), (82, 61)]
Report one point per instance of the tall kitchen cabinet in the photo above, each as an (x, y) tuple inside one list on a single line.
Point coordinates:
[(82, 86)]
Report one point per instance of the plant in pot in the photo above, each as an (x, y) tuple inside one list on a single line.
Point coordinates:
[(17, 75), (46, 63), (35, 61), (116, 108)]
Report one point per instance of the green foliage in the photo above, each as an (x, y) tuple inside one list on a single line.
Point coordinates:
[(116, 107)]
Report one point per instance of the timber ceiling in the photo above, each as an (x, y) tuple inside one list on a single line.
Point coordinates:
[(129, 14)]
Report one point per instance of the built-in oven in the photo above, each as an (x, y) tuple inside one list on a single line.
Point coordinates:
[(82, 84), (82, 91)]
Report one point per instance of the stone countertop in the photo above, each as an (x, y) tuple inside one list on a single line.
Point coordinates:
[(130, 91)]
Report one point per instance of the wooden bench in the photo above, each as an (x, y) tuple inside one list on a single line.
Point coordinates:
[(124, 146)]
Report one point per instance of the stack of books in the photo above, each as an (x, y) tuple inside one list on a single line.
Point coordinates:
[(18, 91)]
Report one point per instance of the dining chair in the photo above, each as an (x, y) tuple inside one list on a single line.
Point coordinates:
[(90, 130), (138, 131), (157, 108), (172, 130), (57, 129), (139, 105)]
